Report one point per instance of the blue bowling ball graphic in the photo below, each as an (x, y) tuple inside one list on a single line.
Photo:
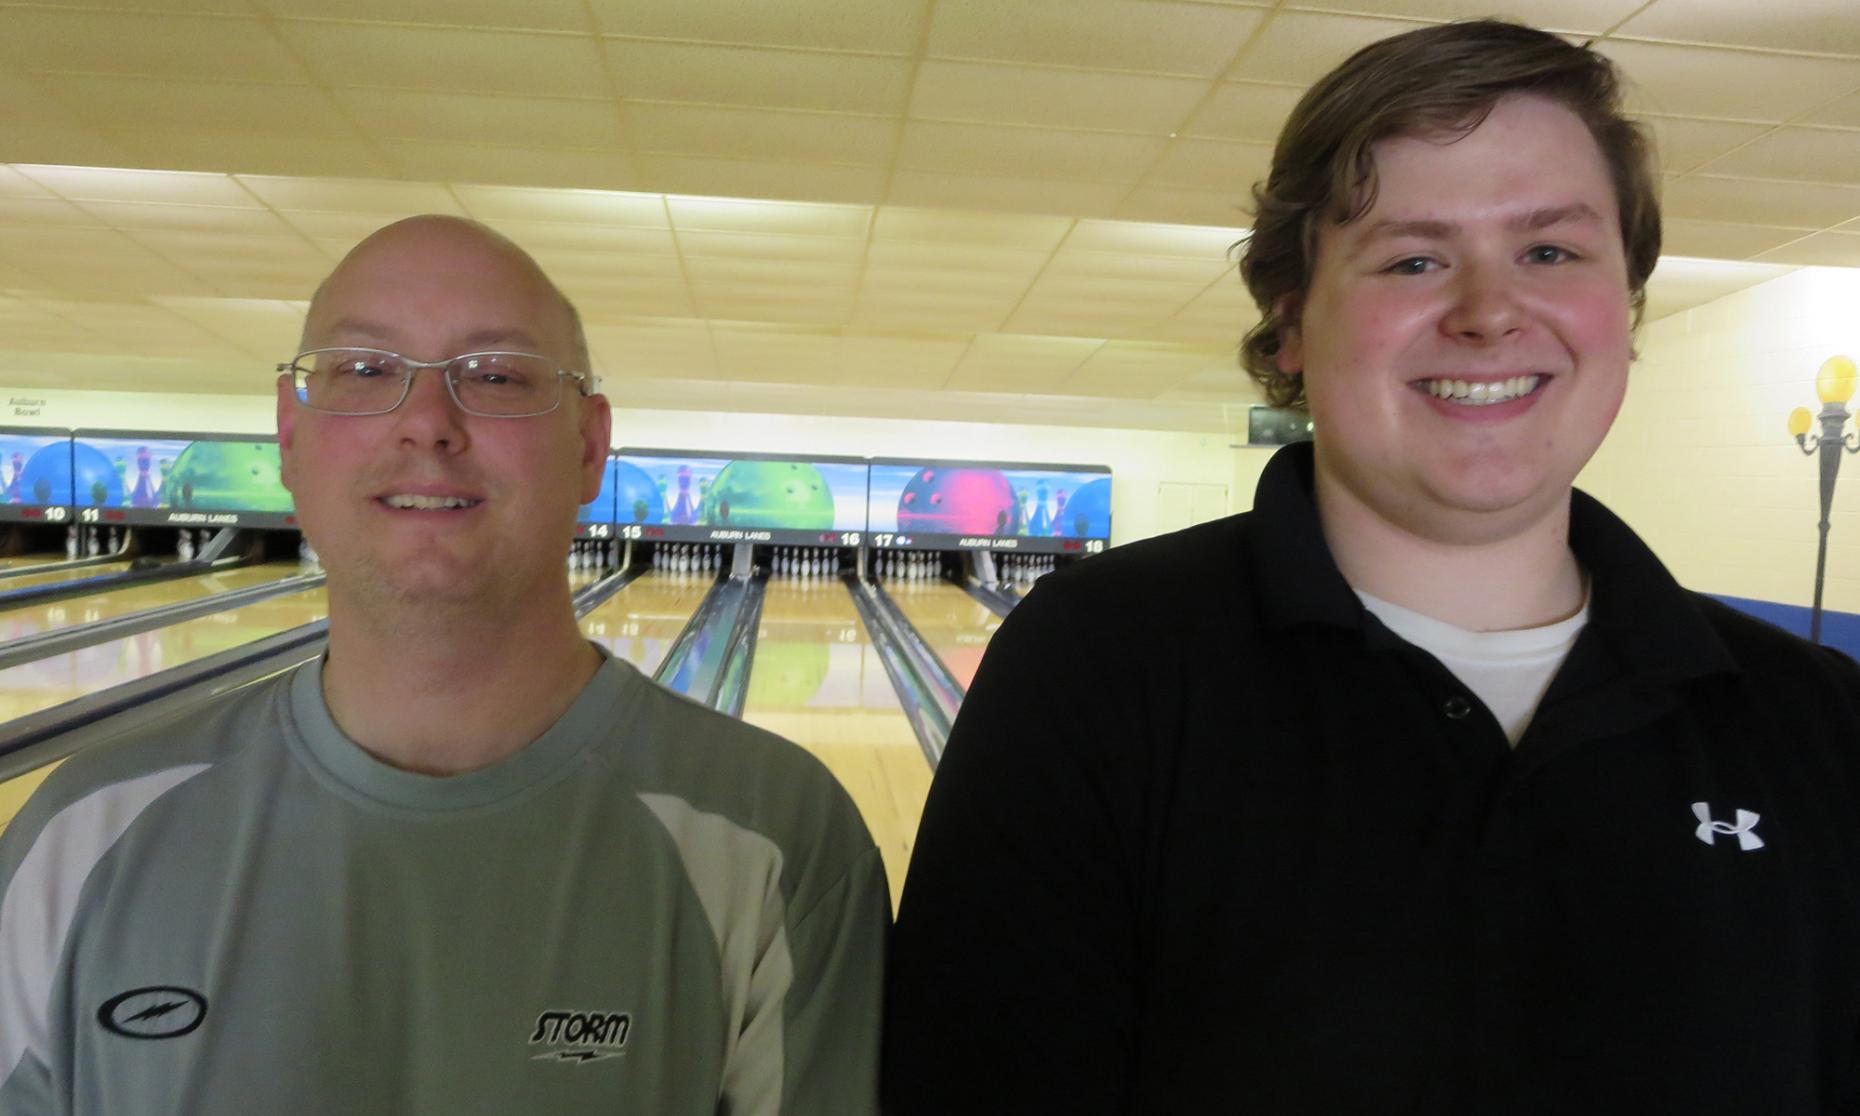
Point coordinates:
[(66, 472), (637, 497), (1088, 513)]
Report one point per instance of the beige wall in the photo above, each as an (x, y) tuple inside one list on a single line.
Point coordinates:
[(1140, 460), (1700, 461)]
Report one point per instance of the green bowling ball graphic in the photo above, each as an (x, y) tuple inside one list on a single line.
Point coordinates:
[(778, 495), (786, 674), (226, 476)]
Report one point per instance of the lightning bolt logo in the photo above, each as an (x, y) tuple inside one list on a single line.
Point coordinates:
[(162, 1012)]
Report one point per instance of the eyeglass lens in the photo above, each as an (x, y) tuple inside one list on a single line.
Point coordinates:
[(352, 381)]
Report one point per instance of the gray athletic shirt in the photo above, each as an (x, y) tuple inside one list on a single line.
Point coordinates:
[(653, 908)]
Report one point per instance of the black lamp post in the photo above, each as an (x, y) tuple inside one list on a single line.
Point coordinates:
[(1835, 385)]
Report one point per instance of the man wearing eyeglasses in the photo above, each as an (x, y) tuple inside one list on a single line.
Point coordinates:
[(465, 863)]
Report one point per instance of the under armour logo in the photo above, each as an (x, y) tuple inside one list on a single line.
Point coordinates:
[(1745, 829)]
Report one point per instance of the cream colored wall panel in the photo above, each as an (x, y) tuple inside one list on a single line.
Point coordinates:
[(1808, 205), (1810, 154), (119, 104), (217, 219), (1196, 241), (366, 197), (1212, 165), (43, 211), (1585, 16), (877, 26), (1050, 196), (1169, 204), (1814, 26), (377, 56), (115, 184), (1736, 85), (941, 226), (1297, 48), (697, 242), (1683, 146), (1245, 110), (475, 120), (1032, 152), (740, 133), (998, 94), (1680, 236), (915, 257), (750, 216), (147, 44), (248, 153), (704, 74), (522, 15), (496, 203), (1822, 249), (608, 241), (1154, 37), (811, 182), (558, 167)]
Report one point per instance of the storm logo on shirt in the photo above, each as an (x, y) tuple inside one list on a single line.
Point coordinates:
[(581, 1036), (160, 1012)]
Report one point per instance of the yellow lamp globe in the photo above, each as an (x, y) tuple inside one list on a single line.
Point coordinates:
[(1835, 382), (1800, 422)]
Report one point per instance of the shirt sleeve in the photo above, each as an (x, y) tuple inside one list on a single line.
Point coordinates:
[(1012, 986)]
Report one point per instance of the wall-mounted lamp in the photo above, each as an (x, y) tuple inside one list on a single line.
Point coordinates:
[(1834, 384)]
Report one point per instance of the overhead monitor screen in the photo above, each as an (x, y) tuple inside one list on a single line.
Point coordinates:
[(35, 476), (976, 505), (679, 496), (187, 480)]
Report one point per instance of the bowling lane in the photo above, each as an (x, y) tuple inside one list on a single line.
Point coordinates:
[(18, 560), (641, 622), (30, 687), (33, 619), (817, 680), (955, 625), (53, 577)]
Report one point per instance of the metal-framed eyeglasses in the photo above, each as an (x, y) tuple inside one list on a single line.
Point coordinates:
[(352, 381)]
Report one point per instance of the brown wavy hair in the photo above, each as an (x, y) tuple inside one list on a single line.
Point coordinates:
[(1434, 81)]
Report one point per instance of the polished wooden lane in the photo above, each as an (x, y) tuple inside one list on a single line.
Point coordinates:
[(26, 581), (16, 561), (955, 625), (640, 623), (817, 680), (30, 687), (33, 619)]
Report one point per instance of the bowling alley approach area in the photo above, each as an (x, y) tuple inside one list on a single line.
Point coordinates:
[(841, 602)]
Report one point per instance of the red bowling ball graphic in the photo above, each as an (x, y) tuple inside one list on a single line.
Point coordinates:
[(957, 502)]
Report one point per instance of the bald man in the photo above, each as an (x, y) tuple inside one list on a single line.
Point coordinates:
[(464, 863)]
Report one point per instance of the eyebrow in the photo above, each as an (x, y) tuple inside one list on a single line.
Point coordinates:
[(1530, 221)]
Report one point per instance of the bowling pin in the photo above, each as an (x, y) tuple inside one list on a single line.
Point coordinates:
[(184, 546), (71, 543), (114, 542), (93, 543)]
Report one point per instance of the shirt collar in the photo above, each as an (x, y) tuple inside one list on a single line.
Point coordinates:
[(1636, 605)]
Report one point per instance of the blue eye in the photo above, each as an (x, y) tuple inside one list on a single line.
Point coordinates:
[(1548, 253), (1413, 265)]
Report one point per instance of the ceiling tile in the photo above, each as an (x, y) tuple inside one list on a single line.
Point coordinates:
[(246, 153), (363, 196), (1245, 110), (375, 56), (470, 119), (996, 94), (695, 242), (754, 133), (1809, 205), (1014, 195), (705, 74), (568, 264), (499, 203), (1736, 85), (1144, 37), (875, 26), (810, 356), (129, 104), (804, 182), (1196, 241), (1810, 154), (217, 219), (612, 299), (1297, 48), (1715, 240), (29, 102), (1212, 165), (42, 212), (1684, 145), (772, 274), (27, 143), (789, 218), (1034, 152), (1585, 16), (16, 185), (608, 241), (1822, 249), (885, 361), (943, 226), (146, 44), (1073, 263), (916, 258), (1680, 284), (888, 283), (1814, 26), (177, 7), (520, 15), (114, 184), (1221, 208), (563, 168), (1843, 113)]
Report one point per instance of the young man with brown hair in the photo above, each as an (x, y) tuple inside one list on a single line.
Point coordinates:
[(1422, 787)]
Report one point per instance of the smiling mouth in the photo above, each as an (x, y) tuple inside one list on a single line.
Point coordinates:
[(1481, 393), (411, 502)]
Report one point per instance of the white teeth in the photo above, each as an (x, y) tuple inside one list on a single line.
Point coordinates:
[(1481, 393), (427, 503)]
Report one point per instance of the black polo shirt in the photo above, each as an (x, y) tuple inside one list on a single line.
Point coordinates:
[(1208, 838)]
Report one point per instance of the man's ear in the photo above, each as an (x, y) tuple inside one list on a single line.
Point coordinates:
[(287, 428), (597, 420), (1290, 357)]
